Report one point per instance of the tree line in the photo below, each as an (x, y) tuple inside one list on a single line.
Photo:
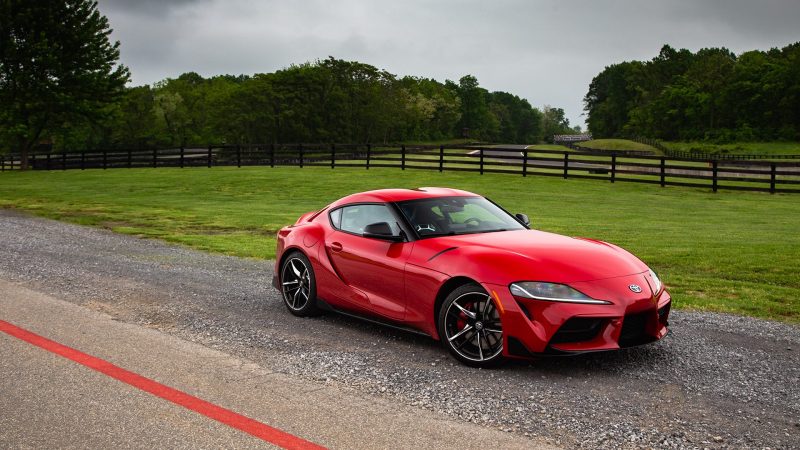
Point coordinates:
[(329, 100), (712, 94)]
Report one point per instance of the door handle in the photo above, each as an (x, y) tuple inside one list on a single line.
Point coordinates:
[(335, 246)]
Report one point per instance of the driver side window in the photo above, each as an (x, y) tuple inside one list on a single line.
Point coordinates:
[(356, 217)]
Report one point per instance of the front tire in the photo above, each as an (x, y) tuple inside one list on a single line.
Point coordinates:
[(470, 327), (298, 285)]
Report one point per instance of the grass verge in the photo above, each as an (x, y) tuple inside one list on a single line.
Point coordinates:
[(733, 252), (618, 144)]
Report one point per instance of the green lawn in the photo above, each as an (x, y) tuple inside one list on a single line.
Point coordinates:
[(738, 148), (618, 144), (731, 251)]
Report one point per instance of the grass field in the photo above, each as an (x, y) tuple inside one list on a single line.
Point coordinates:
[(731, 251), (618, 144), (738, 148)]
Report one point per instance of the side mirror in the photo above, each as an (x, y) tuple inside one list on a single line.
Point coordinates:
[(381, 230), (523, 218)]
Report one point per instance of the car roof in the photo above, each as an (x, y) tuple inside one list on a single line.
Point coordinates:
[(399, 195)]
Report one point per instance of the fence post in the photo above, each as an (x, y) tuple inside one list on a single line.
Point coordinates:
[(301, 155), (47, 162), (403, 157), (714, 176), (83, 160), (3, 164), (238, 155), (105, 159), (64, 160), (525, 162), (333, 156), (441, 158), (613, 166), (155, 158), (566, 165), (369, 154), (772, 178), (182, 156), (31, 162), (208, 157), (663, 171), (481, 150), (130, 163), (272, 155)]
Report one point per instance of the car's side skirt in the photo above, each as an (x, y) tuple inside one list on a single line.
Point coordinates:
[(377, 321)]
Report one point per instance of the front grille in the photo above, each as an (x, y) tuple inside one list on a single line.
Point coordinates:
[(577, 329), (633, 330)]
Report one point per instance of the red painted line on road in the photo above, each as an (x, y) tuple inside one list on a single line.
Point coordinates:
[(210, 410)]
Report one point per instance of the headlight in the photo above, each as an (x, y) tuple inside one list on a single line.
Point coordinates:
[(552, 292), (656, 282)]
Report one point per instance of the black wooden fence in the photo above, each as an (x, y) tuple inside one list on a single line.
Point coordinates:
[(768, 176)]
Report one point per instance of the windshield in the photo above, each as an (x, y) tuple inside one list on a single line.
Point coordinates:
[(444, 216)]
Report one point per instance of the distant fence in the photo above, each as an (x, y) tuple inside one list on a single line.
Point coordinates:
[(562, 138), (768, 176)]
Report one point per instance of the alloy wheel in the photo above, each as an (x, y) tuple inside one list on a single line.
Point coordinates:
[(473, 328), (296, 284)]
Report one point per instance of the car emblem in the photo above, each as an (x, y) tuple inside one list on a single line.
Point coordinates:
[(635, 288)]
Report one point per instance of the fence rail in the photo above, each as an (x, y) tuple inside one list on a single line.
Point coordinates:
[(767, 176)]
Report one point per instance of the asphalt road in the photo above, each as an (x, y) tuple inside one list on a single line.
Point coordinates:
[(50, 401), (532, 159), (718, 381)]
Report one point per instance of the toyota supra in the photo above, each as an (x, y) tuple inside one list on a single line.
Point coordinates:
[(459, 268)]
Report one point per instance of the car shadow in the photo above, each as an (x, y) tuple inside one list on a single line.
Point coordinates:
[(579, 366)]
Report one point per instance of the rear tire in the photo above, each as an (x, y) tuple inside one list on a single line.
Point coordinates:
[(298, 285), (470, 327)]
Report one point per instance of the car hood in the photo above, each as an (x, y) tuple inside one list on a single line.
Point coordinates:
[(509, 256)]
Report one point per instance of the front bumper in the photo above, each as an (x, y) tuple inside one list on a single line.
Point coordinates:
[(532, 327)]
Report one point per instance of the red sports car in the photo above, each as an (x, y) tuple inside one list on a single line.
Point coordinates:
[(457, 267)]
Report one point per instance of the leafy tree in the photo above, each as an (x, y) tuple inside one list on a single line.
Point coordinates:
[(57, 66), (711, 94), (135, 124), (475, 116), (554, 121)]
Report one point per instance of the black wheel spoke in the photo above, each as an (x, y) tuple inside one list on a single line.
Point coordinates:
[(296, 283), (473, 328)]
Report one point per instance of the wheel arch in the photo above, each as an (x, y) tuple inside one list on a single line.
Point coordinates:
[(447, 287), (286, 253)]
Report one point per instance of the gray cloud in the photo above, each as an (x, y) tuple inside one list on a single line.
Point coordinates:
[(545, 51), (146, 7)]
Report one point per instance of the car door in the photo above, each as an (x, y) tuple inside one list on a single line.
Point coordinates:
[(373, 266)]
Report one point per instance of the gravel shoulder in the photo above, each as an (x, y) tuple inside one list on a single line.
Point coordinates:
[(718, 381)]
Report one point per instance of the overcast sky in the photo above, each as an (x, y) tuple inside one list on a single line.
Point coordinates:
[(544, 51)]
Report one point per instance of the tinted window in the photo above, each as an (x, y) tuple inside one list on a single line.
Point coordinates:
[(355, 218), (457, 215)]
